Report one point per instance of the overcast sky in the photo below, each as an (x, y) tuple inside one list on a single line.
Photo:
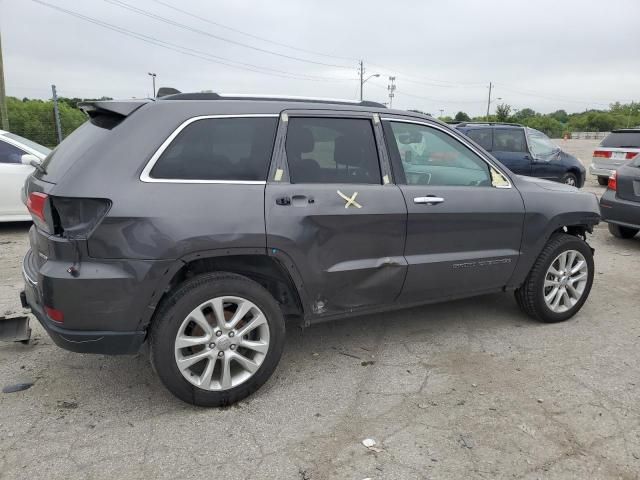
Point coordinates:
[(545, 55)]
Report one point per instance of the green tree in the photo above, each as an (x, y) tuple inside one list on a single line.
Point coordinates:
[(34, 119), (462, 117), (503, 111)]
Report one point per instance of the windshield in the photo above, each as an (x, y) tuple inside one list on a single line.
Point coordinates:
[(540, 144), (28, 143)]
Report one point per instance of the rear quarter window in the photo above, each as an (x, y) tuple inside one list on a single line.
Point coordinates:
[(219, 149), (622, 140)]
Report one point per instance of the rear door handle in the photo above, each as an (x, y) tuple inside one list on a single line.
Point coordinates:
[(428, 200)]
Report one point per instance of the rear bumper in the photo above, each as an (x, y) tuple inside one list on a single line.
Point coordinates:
[(600, 171), (618, 211), (82, 341)]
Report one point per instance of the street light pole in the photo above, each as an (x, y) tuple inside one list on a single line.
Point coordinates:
[(153, 78)]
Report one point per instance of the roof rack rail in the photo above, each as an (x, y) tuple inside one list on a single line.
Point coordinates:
[(464, 124), (220, 96)]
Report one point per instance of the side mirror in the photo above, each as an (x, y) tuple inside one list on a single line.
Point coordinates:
[(27, 159)]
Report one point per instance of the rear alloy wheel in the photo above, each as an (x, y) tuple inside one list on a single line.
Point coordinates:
[(603, 181), (570, 179), (622, 232), (217, 339), (560, 280)]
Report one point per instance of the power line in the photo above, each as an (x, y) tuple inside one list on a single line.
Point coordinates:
[(427, 98), (189, 51), (554, 98), (168, 21), (231, 29)]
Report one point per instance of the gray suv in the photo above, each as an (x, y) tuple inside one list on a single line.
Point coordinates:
[(198, 223)]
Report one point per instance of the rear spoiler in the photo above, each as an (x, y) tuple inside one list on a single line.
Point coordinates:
[(109, 113)]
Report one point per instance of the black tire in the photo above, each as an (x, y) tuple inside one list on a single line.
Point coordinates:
[(603, 181), (622, 232), (570, 179), (177, 306), (530, 295)]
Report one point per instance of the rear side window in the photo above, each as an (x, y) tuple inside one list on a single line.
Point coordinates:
[(622, 140), (509, 140), (9, 153), (219, 149), (332, 150), (482, 136)]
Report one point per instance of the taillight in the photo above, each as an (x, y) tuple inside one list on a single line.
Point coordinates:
[(631, 155), (54, 314), (601, 154), (78, 217), (36, 204), (613, 182)]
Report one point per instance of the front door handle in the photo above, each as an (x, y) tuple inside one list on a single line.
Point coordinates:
[(428, 200), (283, 201)]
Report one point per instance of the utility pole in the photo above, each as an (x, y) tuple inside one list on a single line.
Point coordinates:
[(56, 113), (441, 112), (153, 78), (4, 116), (391, 87), (489, 101), (361, 78)]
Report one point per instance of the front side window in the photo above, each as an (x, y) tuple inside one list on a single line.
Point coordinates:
[(9, 153), (332, 150), (219, 149), (541, 146), (431, 157), (509, 140)]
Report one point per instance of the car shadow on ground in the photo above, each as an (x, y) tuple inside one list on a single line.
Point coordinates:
[(112, 381)]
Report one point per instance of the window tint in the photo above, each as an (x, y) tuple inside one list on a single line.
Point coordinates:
[(332, 150), (482, 136), (219, 149), (9, 153), (509, 140), (431, 157), (622, 140), (540, 144)]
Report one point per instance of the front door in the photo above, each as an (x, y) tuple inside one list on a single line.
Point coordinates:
[(332, 213), (464, 218)]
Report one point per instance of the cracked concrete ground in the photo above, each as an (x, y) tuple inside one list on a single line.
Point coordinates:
[(468, 389)]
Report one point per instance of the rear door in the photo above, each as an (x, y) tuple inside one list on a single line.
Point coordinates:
[(510, 148), (464, 218), (12, 177), (333, 214)]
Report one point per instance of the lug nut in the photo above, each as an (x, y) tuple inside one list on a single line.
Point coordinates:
[(221, 354), (233, 347), (211, 345), (231, 334), (218, 333)]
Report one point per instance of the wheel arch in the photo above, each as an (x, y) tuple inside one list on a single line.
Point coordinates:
[(280, 279)]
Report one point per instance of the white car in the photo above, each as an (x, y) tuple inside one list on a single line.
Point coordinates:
[(16, 154)]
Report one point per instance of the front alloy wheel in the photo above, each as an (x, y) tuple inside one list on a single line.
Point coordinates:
[(565, 281), (560, 281)]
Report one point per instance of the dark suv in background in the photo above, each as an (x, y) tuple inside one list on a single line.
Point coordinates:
[(526, 151), (198, 223)]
